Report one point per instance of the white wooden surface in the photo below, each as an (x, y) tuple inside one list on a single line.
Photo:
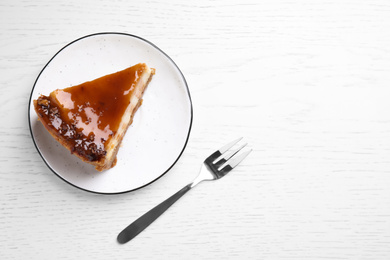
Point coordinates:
[(307, 83)]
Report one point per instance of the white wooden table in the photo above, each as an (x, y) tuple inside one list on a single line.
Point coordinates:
[(307, 83)]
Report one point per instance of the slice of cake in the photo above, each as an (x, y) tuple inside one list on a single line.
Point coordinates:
[(91, 119)]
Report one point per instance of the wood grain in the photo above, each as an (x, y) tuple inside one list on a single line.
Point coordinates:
[(305, 82)]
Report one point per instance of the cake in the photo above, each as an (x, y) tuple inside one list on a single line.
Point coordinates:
[(91, 119)]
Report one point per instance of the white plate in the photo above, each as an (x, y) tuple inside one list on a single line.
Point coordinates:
[(161, 126)]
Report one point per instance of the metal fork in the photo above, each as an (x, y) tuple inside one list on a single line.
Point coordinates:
[(217, 165)]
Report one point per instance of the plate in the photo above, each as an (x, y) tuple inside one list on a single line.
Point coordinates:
[(161, 126)]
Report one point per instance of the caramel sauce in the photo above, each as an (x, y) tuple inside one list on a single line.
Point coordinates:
[(87, 115)]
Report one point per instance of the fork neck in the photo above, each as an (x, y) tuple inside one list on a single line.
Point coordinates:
[(196, 181)]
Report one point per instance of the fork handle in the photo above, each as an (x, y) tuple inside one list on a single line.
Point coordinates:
[(145, 220)]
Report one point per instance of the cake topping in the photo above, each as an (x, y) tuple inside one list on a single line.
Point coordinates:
[(87, 115), (91, 119)]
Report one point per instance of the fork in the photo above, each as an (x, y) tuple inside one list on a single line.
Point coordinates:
[(217, 165)]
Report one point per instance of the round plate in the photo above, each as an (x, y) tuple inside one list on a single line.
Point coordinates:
[(161, 126)]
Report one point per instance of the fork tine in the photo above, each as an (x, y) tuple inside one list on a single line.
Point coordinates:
[(236, 160), (229, 145), (230, 164), (229, 154), (214, 156)]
